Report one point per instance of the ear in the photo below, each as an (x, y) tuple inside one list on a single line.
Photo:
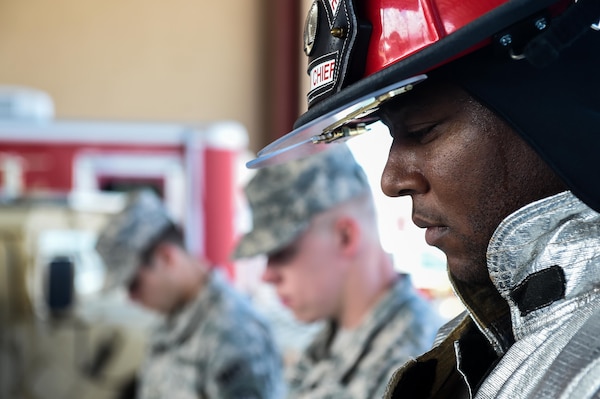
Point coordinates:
[(348, 233), (166, 254)]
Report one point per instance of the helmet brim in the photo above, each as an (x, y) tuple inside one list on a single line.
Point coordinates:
[(314, 137)]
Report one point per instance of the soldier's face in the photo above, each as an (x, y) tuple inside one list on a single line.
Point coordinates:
[(140, 287), (307, 274), (464, 169), (151, 286)]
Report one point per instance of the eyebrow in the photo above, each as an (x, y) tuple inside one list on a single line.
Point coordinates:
[(398, 110)]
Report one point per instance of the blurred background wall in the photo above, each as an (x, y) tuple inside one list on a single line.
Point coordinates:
[(180, 60)]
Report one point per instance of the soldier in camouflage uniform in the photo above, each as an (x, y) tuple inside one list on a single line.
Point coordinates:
[(212, 343), (315, 220)]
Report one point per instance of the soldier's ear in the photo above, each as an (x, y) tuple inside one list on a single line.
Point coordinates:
[(347, 235), (166, 254)]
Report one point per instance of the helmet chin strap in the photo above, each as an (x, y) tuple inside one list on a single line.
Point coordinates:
[(566, 29)]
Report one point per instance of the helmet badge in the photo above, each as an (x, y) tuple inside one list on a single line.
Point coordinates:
[(310, 28)]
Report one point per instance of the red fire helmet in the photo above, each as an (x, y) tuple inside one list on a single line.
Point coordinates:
[(362, 53)]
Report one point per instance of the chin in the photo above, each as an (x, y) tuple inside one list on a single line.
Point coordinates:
[(468, 272), (305, 318), (471, 278), (156, 309)]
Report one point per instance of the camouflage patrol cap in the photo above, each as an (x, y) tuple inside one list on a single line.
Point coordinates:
[(128, 234), (284, 198)]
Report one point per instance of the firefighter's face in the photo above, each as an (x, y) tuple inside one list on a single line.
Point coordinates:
[(464, 169)]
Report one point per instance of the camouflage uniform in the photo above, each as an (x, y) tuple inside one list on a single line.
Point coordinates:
[(359, 363), (217, 347)]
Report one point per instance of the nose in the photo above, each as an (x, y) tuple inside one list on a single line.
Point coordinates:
[(401, 175)]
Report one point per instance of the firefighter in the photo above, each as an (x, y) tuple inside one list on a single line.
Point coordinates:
[(494, 112)]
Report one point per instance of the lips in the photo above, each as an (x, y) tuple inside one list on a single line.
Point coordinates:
[(434, 234), (434, 231), (285, 300)]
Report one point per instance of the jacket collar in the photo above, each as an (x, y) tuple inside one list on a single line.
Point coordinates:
[(536, 257)]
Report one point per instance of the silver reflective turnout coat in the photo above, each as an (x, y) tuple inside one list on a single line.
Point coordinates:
[(536, 332)]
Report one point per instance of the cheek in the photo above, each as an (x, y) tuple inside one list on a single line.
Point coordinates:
[(151, 288), (310, 268), (457, 166), (495, 185), (468, 180), (314, 270)]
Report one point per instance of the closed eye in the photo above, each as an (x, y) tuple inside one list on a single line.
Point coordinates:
[(282, 256), (420, 134)]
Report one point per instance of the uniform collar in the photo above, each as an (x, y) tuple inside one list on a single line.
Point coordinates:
[(178, 327)]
